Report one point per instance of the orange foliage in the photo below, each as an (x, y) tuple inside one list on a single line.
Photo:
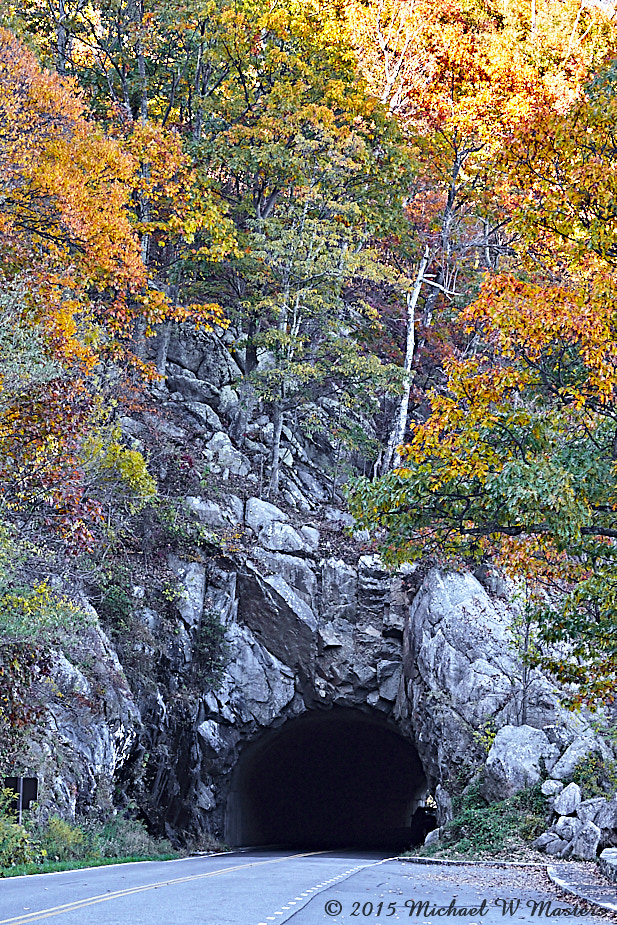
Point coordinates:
[(64, 192)]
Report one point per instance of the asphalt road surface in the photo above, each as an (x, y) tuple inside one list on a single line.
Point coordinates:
[(262, 887)]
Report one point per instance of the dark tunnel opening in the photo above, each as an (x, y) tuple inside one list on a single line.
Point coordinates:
[(329, 779)]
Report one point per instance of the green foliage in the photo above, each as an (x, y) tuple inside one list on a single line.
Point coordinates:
[(62, 841), (175, 527), (211, 650), (111, 464), (122, 838), (486, 735), (482, 827), (596, 776), (59, 844), (513, 460), (35, 611), (24, 360), (112, 595), (16, 846)]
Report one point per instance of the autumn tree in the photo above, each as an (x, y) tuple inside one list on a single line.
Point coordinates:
[(313, 173), (461, 79), (516, 462)]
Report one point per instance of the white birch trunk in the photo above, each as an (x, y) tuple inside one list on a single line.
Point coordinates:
[(400, 425)]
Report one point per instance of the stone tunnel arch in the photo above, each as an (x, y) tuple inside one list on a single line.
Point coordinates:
[(339, 777)]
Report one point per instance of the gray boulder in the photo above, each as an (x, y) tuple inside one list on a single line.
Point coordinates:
[(296, 571), (279, 537), (546, 839), (551, 788), (183, 354), (203, 414), (210, 513), (580, 748), (584, 845), (227, 456), (311, 537), (228, 401), (513, 761), (255, 685), (279, 619), (202, 354), (556, 847), (567, 827), (606, 820), (338, 518), (608, 863), (218, 366), (588, 810), (260, 514), (192, 389), (568, 801)]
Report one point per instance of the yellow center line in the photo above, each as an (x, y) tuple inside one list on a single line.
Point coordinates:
[(118, 894)]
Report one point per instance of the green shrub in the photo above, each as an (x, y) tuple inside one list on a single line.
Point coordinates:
[(480, 826), (596, 776), (63, 841), (16, 846), (60, 843), (211, 650), (129, 838)]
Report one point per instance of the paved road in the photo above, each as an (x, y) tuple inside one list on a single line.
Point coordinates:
[(265, 887)]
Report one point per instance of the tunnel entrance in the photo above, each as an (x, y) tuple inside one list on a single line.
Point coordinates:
[(328, 779)]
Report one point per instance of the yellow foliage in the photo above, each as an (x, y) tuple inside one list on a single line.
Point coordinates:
[(107, 460)]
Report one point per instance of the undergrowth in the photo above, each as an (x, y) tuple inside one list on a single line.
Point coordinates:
[(479, 827), (37, 847), (596, 776)]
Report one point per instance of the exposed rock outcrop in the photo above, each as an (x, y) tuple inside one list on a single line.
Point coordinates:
[(515, 761), (91, 731), (313, 622)]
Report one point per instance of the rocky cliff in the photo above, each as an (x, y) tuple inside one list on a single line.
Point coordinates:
[(312, 630)]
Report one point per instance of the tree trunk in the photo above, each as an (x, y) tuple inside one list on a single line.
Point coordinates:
[(277, 420), (163, 348), (237, 430), (400, 426), (63, 39)]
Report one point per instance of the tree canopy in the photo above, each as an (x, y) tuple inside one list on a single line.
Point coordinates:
[(406, 208)]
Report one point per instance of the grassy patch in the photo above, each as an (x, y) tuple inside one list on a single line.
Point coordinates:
[(41, 847), (491, 829), (49, 867)]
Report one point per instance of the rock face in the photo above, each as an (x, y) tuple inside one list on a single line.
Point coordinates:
[(582, 747), (463, 672), (432, 659), (90, 737), (278, 617), (514, 761), (313, 624)]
